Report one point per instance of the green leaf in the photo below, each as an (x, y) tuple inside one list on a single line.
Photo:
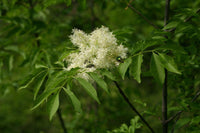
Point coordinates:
[(170, 25), (99, 81), (108, 74), (89, 88), (53, 105), (29, 79), (56, 80), (195, 120), (66, 53), (39, 81), (136, 67), (11, 59), (134, 124), (37, 66), (173, 47), (168, 63), (43, 96), (157, 69), (124, 66), (47, 56), (75, 101), (161, 38)]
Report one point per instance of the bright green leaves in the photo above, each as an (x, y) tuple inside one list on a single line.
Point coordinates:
[(56, 80), (169, 64), (99, 81), (123, 67), (76, 103), (134, 125), (157, 69), (108, 74), (35, 80), (38, 82), (53, 105), (170, 25), (31, 78), (11, 59), (159, 62), (43, 96), (134, 64), (135, 68), (89, 88)]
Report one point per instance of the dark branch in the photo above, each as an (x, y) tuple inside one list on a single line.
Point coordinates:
[(167, 8), (133, 108), (173, 117), (175, 123), (196, 96), (178, 114), (61, 120), (186, 20), (164, 95), (140, 14), (164, 105), (189, 18)]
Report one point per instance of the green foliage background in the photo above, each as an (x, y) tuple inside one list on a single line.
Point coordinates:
[(35, 33)]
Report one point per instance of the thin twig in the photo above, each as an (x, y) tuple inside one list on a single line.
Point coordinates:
[(140, 14), (61, 120), (133, 108), (189, 18), (196, 96), (164, 95), (173, 117), (167, 9), (175, 123), (178, 114), (164, 105), (186, 20)]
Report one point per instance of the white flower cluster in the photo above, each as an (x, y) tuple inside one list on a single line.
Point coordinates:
[(98, 49)]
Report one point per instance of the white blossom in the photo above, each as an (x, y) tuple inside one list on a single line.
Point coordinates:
[(99, 49)]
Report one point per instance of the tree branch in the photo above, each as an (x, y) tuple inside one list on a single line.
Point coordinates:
[(173, 117), (164, 95), (133, 108), (178, 114), (164, 105), (167, 9), (175, 123), (188, 19), (140, 14), (61, 120)]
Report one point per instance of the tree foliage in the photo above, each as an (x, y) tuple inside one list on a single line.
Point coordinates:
[(34, 83)]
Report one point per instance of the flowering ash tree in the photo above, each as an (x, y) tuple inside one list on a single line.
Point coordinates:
[(97, 57), (95, 53)]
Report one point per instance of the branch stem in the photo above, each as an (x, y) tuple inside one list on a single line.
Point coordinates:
[(178, 114), (61, 120), (165, 93), (164, 105), (140, 14), (132, 107)]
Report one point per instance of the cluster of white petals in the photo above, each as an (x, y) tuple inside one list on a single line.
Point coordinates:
[(97, 50)]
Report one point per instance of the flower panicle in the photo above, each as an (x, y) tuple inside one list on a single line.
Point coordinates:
[(97, 50)]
